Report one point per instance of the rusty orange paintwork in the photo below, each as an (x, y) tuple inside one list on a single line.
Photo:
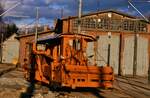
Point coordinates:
[(64, 62), (107, 76), (107, 69)]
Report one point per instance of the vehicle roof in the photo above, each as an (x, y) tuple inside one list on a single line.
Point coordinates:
[(51, 37)]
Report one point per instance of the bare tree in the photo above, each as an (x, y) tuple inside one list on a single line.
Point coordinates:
[(6, 29), (149, 18), (1, 22), (1, 11)]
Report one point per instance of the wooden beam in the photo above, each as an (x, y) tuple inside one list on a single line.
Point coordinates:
[(135, 55), (121, 50)]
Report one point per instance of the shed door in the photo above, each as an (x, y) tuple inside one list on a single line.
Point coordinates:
[(103, 51), (128, 56), (142, 57)]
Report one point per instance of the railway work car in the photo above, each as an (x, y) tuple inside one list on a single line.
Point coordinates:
[(61, 60)]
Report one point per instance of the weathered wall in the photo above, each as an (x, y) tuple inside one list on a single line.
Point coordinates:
[(24, 45), (10, 52), (120, 56), (103, 51), (128, 52), (128, 55), (142, 56)]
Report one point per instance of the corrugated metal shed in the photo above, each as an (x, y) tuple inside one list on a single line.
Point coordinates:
[(124, 56), (10, 51)]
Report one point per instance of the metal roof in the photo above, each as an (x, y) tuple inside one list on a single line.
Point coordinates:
[(48, 38), (54, 36)]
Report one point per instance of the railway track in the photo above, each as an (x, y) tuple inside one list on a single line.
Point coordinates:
[(13, 83), (6, 68), (11, 80), (134, 83), (132, 87)]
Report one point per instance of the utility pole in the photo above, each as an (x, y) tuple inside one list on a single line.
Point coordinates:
[(97, 5), (37, 22), (62, 12), (79, 21), (79, 16)]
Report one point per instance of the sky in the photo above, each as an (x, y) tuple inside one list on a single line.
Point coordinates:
[(52, 9)]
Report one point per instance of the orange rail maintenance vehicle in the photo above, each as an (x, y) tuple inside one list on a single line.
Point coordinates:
[(61, 60)]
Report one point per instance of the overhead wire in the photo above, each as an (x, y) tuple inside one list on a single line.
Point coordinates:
[(138, 11)]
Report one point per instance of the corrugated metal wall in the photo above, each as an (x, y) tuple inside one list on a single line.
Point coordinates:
[(114, 53), (128, 53), (10, 50), (142, 57), (103, 51)]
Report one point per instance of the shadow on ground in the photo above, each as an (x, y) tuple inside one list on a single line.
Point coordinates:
[(85, 91), (30, 90)]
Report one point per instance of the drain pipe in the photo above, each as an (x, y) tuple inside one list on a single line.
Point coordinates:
[(108, 57), (109, 46)]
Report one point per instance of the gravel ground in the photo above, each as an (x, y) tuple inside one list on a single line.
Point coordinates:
[(13, 85)]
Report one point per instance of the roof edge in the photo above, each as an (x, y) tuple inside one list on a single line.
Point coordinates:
[(102, 11)]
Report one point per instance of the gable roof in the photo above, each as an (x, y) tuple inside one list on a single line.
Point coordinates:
[(104, 11), (56, 36)]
